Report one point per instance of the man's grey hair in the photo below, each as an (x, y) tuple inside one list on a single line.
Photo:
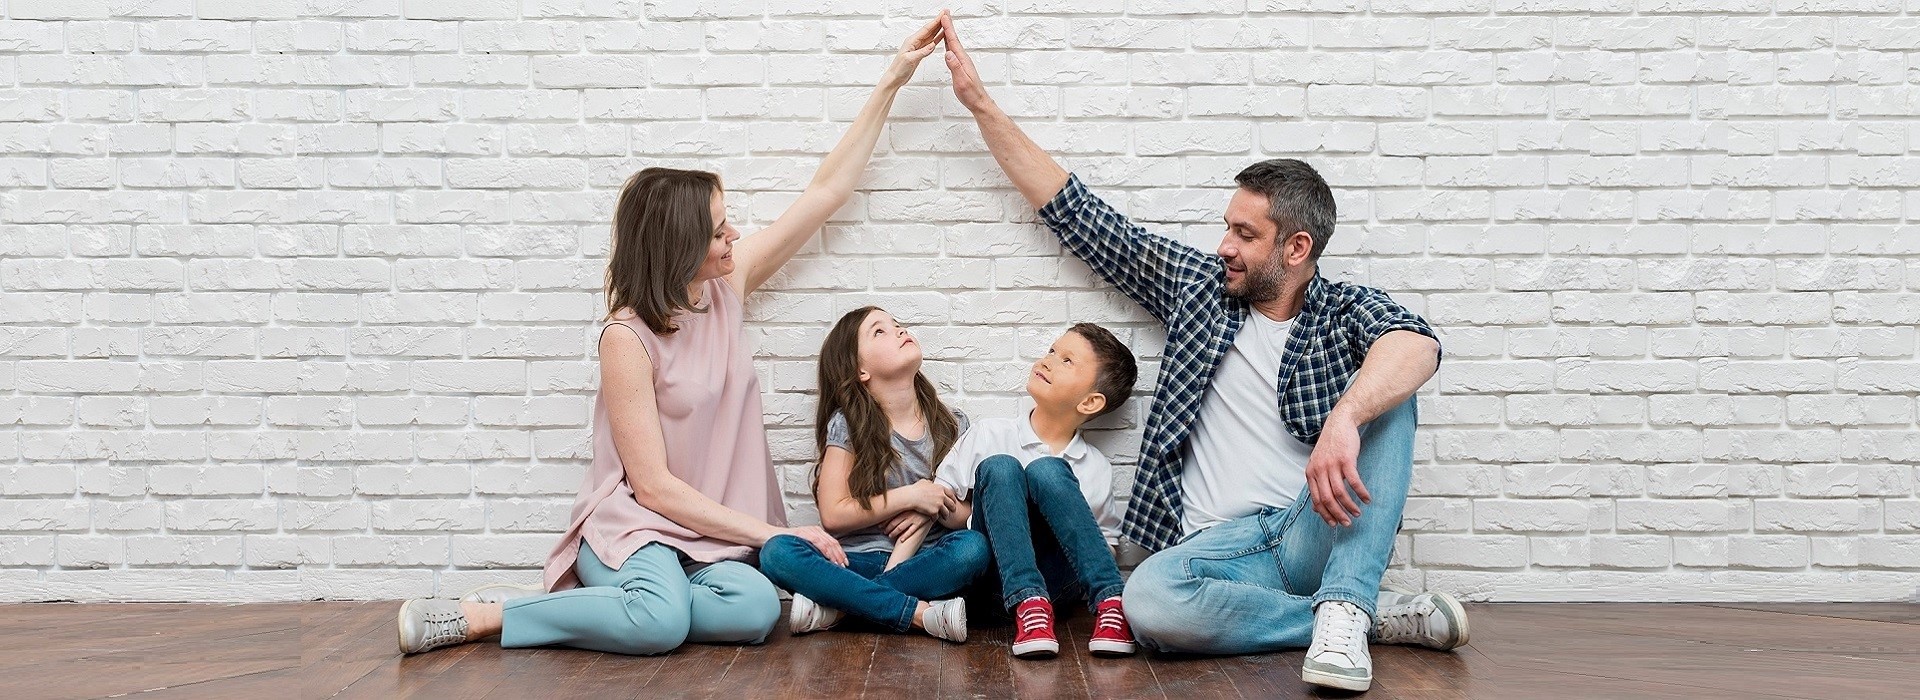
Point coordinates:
[(1297, 198)]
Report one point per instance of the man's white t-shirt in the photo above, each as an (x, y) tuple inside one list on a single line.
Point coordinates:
[(1015, 437), (1241, 457)]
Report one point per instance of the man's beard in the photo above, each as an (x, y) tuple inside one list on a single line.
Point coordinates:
[(1261, 286)]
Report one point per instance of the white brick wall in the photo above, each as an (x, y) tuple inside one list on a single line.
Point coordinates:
[(296, 295)]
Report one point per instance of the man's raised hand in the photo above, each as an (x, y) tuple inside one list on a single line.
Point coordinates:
[(966, 79)]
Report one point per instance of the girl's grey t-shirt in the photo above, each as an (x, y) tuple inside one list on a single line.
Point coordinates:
[(916, 464)]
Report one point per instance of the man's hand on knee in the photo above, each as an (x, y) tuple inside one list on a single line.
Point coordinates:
[(1333, 469)]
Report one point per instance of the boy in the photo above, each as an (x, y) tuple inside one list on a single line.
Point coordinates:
[(1044, 497)]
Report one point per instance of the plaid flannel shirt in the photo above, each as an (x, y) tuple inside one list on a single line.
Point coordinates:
[(1185, 289)]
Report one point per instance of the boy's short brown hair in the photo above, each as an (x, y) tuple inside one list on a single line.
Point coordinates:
[(1117, 371)]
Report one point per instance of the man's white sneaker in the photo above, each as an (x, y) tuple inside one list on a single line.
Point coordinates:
[(1431, 620), (946, 619), (808, 616), (497, 593), (1338, 657)]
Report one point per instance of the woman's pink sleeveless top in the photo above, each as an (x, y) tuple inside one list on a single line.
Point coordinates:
[(709, 404)]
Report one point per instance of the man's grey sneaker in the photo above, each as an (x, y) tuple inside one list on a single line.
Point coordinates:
[(1431, 620), (946, 619), (497, 593), (430, 623), (808, 616), (1338, 657)]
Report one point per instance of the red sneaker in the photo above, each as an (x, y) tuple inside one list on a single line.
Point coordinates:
[(1033, 638), (1111, 635)]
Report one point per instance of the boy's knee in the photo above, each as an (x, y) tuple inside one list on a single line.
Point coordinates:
[(1051, 473), (997, 469)]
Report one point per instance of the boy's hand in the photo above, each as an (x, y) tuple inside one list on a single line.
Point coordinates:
[(1332, 470), (927, 498), (905, 523)]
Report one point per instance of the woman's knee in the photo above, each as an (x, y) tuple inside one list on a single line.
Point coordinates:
[(750, 605), (651, 627)]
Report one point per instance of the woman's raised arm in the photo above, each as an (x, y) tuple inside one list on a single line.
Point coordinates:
[(758, 256)]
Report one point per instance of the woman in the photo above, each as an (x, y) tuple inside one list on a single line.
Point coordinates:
[(681, 491)]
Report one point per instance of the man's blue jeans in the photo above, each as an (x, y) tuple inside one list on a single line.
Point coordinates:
[(1250, 584), (864, 587), (1045, 540)]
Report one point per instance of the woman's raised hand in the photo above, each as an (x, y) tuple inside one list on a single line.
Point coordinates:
[(916, 47)]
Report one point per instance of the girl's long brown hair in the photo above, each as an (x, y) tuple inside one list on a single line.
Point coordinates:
[(662, 226), (870, 436)]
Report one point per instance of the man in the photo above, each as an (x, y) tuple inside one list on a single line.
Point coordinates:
[(1280, 392)]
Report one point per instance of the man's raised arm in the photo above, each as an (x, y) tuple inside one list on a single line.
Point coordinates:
[(1033, 172), (1156, 272)]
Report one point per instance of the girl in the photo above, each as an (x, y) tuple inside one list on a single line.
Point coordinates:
[(681, 488), (881, 430)]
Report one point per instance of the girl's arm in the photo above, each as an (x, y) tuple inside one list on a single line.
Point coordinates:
[(840, 512), (909, 545), (626, 383), (758, 256)]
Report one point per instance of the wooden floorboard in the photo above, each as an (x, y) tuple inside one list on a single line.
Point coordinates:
[(347, 650), (1902, 613)]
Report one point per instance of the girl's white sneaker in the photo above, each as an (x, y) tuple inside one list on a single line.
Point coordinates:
[(808, 616), (946, 619)]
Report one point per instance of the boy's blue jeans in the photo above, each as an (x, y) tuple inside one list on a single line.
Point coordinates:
[(865, 588), (1250, 584), (1045, 540)]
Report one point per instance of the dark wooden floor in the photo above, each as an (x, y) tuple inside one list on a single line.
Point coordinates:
[(316, 650)]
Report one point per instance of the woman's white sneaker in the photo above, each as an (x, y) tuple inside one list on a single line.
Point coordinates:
[(497, 593), (1431, 620), (1338, 657), (430, 623), (946, 619), (808, 616)]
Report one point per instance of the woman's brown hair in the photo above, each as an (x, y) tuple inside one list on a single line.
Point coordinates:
[(870, 436), (662, 225)]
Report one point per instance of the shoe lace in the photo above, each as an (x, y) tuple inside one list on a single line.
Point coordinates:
[(1403, 621), (445, 627), (1033, 619), (1339, 629), (1111, 618)]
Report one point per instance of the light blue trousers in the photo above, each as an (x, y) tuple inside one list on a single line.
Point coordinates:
[(1249, 585), (647, 606)]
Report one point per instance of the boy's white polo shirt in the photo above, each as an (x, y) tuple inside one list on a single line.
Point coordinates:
[(1015, 437)]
